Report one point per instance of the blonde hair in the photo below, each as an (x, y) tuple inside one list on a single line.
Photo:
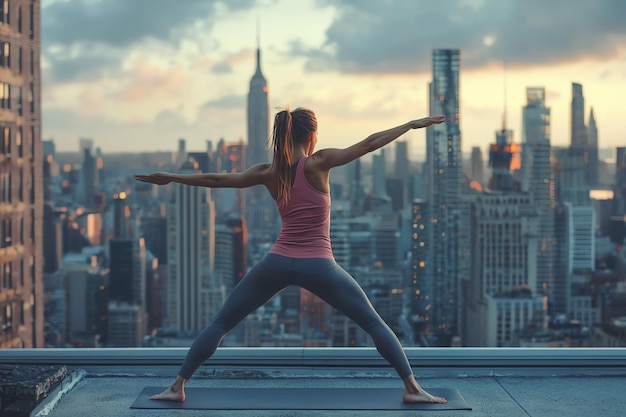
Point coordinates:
[(290, 128)]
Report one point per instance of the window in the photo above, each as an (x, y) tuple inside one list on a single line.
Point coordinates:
[(20, 195), (20, 93), (4, 12), (32, 20), (32, 143), (19, 19), (5, 57), (7, 227), (5, 95), (31, 97), (6, 141), (7, 322), (19, 60), (32, 62), (18, 142), (3, 191), (32, 195)]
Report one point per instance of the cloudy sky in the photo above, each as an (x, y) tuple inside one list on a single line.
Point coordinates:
[(138, 75)]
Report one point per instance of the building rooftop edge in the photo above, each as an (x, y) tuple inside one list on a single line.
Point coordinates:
[(325, 357)]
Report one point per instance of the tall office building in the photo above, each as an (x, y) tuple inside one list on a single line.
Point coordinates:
[(420, 284), (619, 186), (123, 224), (231, 244), (445, 174), (128, 271), (538, 180), (260, 213), (575, 256), (592, 138), (89, 180), (578, 153), (477, 165), (379, 175), (181, 154), (233, 200), (402, 166), (500, 301), (190, 253), (577, 129), (21, 177), (85, 285), (500, 158)]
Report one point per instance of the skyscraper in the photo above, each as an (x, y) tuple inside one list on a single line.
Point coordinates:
[(445, 173), (190, 253), (477, 165), (420, 283), (258, 208), (402, 166), (500, 300), (89, 179), (576, 160), (592, 137), (538, 180), (21, 177), (578, 130)]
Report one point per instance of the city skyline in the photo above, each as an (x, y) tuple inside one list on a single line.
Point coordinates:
[(156, 82)]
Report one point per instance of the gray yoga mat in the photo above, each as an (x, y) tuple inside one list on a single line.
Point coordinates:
[(298, 399)]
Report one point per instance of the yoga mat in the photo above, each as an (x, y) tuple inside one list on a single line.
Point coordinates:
[(298, 399)]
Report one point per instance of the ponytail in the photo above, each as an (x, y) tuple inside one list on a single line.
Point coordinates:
[(281, 141), (289, 128)]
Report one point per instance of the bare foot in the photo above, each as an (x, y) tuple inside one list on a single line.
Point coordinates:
[(422, 397), (170, 395)]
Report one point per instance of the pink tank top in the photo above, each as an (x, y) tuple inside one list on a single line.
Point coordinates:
[(305, 231)]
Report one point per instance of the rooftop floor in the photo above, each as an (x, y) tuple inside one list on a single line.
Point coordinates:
[(577, 382), (510, 396)]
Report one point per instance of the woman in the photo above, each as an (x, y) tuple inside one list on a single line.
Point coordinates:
[(298, 180)]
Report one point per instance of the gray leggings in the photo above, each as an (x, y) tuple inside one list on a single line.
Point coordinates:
[(321, 276)]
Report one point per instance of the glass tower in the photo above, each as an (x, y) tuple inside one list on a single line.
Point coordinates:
[(538, 179), (445, 174)]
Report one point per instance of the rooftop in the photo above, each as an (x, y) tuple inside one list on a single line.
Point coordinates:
[(495, 382)]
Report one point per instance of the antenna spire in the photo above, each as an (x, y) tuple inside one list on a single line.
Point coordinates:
[(258, 32), (504, 85)]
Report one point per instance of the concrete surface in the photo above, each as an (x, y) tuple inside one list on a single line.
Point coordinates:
[(537, 393)]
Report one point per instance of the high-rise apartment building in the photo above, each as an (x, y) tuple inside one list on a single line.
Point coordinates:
[(445, 174), (538, 180), (21, 176)]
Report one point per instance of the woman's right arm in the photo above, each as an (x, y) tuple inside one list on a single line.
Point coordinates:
[(330, 158), (255, 175)]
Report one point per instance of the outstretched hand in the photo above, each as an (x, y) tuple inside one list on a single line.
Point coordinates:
[(427, 121), (158, 178)]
